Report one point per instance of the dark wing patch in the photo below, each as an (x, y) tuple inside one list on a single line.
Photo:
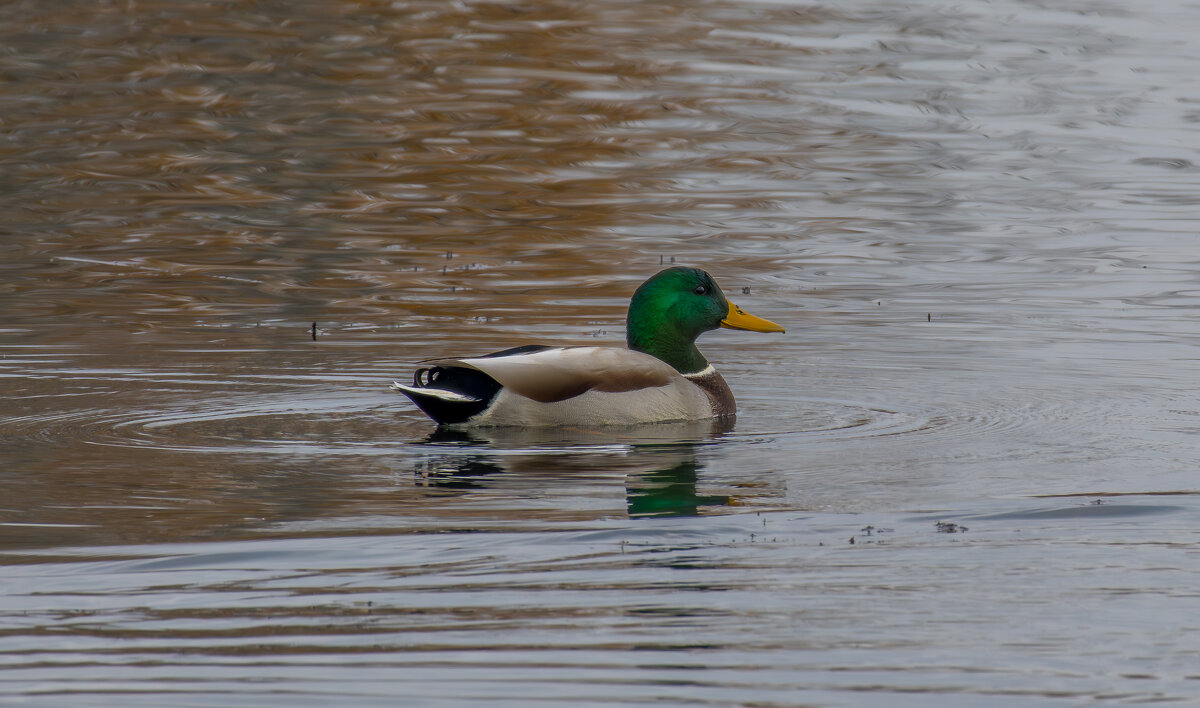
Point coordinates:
[(514, 351), (524, 349)]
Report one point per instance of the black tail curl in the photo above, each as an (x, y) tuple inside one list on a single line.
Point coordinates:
[(473, 384)]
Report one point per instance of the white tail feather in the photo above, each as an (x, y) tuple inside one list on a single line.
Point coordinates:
[(433, 393)]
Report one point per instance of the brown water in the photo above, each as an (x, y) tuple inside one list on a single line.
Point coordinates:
[(978, 222)]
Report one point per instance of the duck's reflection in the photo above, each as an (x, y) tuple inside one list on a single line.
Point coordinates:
[(659, 462), (456, 473), (669, 492)]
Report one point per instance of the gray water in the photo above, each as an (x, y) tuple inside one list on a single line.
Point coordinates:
[(965, 476)]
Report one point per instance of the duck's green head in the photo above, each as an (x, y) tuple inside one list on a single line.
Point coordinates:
[(677, 305)]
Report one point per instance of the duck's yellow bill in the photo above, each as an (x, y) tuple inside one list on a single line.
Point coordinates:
[(738, 319)]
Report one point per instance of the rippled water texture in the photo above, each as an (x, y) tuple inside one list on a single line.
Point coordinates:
[(967, 475)]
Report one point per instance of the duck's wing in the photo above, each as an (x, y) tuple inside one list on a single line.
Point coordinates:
[(556, 374)]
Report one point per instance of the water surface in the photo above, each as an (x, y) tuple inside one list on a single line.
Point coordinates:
[(966, 475)]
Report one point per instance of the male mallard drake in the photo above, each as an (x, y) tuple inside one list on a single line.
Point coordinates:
[(662, 376)]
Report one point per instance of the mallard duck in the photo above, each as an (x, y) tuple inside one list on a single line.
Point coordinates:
[(660, 377)]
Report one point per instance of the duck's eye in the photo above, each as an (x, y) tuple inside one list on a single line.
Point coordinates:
[(701, 290)]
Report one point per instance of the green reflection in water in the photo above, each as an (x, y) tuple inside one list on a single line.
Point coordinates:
[(669, 492), (659, 463)]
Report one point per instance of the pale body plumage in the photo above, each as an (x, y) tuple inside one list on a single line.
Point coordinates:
[(582, 386)]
